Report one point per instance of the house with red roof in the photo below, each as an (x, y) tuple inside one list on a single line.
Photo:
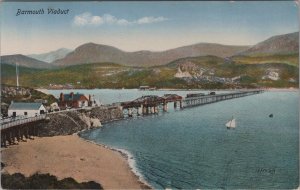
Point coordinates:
[(73, 100)]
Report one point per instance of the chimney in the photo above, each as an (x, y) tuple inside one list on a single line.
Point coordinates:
[(72, 95), (61, 97)]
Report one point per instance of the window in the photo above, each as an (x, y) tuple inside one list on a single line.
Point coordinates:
[(25, 113)]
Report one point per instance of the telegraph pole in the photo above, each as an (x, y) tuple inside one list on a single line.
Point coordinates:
[(17, 75)]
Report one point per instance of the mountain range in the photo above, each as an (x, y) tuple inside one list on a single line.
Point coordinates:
[(97, 53), (24, 61), (51, 56)]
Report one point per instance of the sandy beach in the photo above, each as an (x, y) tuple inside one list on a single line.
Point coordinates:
[(71, 156)]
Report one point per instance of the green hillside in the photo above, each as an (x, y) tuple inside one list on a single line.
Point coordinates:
[(290, 59), (208, 60), (201, 72), (10, 70)]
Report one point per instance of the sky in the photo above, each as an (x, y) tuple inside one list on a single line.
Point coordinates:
[(133, 26)]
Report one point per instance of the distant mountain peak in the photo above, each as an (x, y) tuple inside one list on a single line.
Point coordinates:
[(280, 44), (52, 55), (23, 60)]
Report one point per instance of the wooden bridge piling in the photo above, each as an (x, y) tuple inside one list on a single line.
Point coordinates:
[(19, 130), (165, 107)]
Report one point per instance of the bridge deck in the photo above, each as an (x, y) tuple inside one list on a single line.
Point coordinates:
[(15, 122), (201, 100)]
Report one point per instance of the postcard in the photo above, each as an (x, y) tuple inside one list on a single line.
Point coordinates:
[(149, 95)]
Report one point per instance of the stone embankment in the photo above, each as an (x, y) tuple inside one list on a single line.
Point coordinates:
[(69, 122), (107, 113)]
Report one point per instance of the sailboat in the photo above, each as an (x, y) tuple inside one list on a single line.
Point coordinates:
[(231, 124)]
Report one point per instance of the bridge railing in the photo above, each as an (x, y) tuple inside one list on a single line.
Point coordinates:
[(207, 99), (243, 93), (12, 122)]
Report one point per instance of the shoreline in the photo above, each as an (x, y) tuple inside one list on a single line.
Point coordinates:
[(73, 156), (126, 155)]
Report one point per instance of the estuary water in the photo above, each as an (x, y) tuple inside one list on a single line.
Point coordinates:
[(192, 149)]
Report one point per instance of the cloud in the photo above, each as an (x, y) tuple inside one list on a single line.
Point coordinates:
[(123, 22), (87, 18), (109, 19), (148, 20)]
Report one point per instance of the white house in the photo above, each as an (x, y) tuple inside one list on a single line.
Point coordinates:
[(25, 109)]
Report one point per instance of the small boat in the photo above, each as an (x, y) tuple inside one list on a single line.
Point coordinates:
[(271, 115), (231, 124)]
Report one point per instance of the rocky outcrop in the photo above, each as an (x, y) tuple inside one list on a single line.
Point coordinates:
[(181, 74), (64, 123), (69, 122), (14, 91), (272, 74), (89, 121), (107, 113)]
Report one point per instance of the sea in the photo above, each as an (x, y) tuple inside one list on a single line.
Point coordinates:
[(192, 149)]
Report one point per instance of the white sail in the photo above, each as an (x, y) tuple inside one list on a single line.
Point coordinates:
[(228, 124), (231, 124)]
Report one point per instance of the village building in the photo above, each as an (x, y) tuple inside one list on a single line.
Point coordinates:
[(147, 88), (27, 109), (73, 100), (144, 87)]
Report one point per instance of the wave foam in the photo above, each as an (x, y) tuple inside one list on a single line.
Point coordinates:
[(129, 157), (132, 164)]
